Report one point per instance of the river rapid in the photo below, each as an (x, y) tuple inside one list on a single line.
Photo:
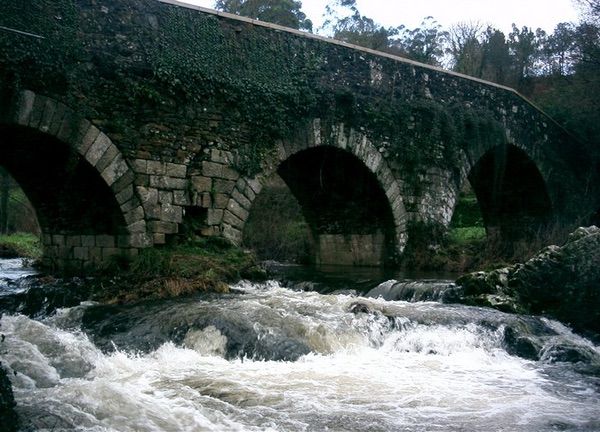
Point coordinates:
[(269, 357)]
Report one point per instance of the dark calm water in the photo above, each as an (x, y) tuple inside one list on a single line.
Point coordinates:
[(303, 354)]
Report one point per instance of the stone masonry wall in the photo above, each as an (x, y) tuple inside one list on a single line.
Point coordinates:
[(196, 106)]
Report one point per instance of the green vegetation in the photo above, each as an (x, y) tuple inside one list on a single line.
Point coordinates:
[(466, 228), (177, 269), (24, 245), (465, 235), (467, 246), (282, 12), (16, 212), (276, 228), (462, 248)]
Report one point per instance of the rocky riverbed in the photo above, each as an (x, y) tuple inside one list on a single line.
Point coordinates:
[(560, 281)]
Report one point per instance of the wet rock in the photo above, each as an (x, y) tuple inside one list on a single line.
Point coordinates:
[(309, 286), (480, 283), (562, 282), (38, 419), (571, 354), (257, 273), (246, 341), (7, 251), (357, 308), (43, 295), (520, 346), (346, 292), (278, 348), (146, 326), (9, 421)]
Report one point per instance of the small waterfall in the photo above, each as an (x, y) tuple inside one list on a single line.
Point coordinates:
[(413, 290), (268, 358)]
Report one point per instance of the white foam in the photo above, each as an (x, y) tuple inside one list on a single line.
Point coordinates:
[(365, 373)]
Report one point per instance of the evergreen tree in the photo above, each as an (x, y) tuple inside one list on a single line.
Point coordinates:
[(283, 12), (496, 62)]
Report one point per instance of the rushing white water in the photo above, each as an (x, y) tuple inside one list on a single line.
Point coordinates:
[(392, 366), (14, 268)]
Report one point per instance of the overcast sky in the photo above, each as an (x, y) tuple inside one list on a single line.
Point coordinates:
[(499, 13)]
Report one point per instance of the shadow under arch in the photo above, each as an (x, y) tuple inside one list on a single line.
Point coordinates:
[(511, 192), (343, 204), (76, 178), (346, 167), (66, 192)]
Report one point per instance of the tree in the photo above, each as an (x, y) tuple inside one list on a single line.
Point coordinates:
[(283, 12), (587, 48), (344, 22), (558, 51), (496, 62), (361, 30), (523, 46), (424, 44), (572, 96), (465, 48), (590, 11)]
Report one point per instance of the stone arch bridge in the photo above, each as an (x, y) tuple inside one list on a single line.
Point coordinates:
[(124, 119)]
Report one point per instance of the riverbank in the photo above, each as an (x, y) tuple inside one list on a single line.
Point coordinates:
[(20, 245), (562, 282), (202, 265), (174, 270)]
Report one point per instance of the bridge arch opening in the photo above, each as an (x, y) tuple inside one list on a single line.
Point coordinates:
[(347, 211), (512, 194), (276, 228), (78, 214), (17, 214)]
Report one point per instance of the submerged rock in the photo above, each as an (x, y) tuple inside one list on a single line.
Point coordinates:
[(41, 296), (561, 281), (145, 326), (357, 308)]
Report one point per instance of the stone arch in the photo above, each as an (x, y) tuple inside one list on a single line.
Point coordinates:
[(42, 116), (511, 190), (337, 136)]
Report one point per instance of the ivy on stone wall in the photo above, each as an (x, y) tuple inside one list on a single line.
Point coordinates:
[(47, 58), (266, 83)]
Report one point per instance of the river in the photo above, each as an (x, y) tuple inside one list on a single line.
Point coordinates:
[(269, 357)]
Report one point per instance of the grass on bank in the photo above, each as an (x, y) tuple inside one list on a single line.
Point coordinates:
[(466, 235), (188, 267), (24, 245)]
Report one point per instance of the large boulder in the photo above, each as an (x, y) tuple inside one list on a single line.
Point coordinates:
[(562, 282)]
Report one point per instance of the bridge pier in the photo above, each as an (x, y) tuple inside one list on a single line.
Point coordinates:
[(73, 252), (368, 250)]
